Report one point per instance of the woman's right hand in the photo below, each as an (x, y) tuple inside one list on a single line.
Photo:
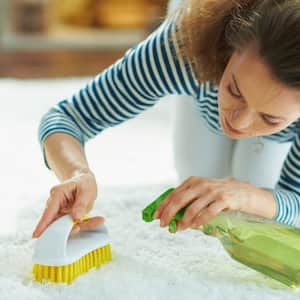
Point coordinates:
[(75, 196)]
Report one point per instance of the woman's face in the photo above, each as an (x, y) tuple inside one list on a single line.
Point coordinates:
[(251, 102)]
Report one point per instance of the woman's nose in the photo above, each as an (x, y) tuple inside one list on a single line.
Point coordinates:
[(241, 119)]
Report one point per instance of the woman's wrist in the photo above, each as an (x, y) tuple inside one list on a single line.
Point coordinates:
[(72, 171), (261, 202), (81, 171), (65, 156)]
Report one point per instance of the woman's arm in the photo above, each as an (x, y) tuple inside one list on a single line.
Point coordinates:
[(287, 191), (76, 193), (261, 202), (65, 156), (147, 72)]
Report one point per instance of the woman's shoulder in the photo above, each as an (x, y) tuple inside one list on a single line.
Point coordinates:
[(208, 92), (207, 105), (288, 134), (294, 128)]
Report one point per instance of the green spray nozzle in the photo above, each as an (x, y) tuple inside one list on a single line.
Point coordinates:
[(149, 211)]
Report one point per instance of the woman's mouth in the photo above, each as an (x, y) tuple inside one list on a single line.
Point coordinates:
[(231, 129)]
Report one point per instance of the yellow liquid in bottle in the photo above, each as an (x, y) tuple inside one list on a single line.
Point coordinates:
[(268, 247)]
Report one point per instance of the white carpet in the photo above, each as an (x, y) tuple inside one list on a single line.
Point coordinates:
[(133, 163)]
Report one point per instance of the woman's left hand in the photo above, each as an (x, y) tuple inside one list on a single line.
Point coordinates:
[(206, 198)]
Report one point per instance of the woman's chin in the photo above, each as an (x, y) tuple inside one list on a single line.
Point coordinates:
[(231, 133), (233, 136)]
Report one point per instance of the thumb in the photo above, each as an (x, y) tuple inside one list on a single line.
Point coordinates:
[(79, 208)]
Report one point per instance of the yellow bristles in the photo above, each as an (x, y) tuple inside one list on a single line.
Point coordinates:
[(67, 274)]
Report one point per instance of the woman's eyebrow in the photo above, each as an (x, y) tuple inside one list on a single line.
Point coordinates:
[(261, 113)]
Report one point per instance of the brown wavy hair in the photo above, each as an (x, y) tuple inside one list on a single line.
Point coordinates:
[(211, 30)]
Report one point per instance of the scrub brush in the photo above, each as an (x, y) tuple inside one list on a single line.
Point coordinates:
[(266, 246), (60, 259)]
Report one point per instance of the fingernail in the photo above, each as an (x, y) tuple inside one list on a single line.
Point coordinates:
[(79, 213), (162, 224), (75, 230), (77, 216), (155, 215)]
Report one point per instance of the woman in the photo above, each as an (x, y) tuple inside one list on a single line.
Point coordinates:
[(239, 61)]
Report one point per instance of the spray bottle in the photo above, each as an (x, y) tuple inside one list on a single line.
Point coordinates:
[(266, 246)]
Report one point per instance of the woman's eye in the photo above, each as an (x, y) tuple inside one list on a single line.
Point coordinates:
[(270, 121), (236, 95)]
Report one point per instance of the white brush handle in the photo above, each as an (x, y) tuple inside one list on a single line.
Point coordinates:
[(55, 237), (55, 248)]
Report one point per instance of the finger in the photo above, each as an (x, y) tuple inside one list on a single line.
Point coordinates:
[(176, 203), (92, 223), (162, 206), (165, 203), (178, 226), (59, 215), (184, 186), (65, 210), (194, 209), (74, 230), (209, 213), (79, 208), (49, 214)]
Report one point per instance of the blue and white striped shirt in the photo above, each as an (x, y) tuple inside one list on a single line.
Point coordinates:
[(148, 72)]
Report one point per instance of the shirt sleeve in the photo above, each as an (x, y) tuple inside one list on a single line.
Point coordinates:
[(287, 190), (149, 71)]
